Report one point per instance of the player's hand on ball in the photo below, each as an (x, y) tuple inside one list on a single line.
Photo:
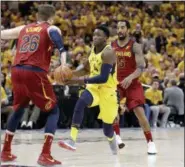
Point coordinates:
[(75, 80), (126, 82), (62, 73)]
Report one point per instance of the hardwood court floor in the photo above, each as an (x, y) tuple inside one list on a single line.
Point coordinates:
[(93, 149)]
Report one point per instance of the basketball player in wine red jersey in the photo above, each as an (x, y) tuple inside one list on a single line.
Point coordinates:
[(130, 64), (29, 78)]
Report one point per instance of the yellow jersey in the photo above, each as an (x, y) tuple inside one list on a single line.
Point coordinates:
[(155, 96), (3, 94), (95, 62)]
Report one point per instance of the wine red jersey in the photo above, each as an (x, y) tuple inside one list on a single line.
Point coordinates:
[(126, 63), (34, 46)]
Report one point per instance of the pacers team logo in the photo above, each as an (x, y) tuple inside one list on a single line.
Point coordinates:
[(48, 105)]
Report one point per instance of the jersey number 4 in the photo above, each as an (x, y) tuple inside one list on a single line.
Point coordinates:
[(30, 43)]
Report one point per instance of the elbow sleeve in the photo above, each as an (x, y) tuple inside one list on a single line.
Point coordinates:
[(56, 39)]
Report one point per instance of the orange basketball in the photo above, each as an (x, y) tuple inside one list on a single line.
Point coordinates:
[(62, 73)]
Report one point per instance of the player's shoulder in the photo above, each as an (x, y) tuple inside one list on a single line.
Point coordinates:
[(108, 49), (114, 43), (108, 54), (53, 27)]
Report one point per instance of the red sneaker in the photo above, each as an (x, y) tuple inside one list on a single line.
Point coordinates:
[(47, 160), (7, 156)]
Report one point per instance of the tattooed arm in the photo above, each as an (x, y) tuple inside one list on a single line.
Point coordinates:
[(140, 63)]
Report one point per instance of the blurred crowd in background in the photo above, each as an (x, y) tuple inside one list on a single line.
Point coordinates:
[(158, 27)]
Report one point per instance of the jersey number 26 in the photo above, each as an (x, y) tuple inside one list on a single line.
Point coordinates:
[(30, 43)]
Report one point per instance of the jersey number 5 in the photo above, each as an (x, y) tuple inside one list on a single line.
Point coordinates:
[(30, 43), (121, 62)]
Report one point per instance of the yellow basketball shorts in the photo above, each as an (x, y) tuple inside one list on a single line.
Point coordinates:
[(107, 100)]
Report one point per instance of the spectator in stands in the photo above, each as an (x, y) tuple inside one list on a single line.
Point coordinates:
[(30, 117), (182, 82), (6, 109), (174, 98), (148, 41), (164, 84), (154, 98), (154, 57), (160, 41)]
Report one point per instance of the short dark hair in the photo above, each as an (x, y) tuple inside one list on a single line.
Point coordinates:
[(104, 29), (127, 23), (173, 82), (45, 11)]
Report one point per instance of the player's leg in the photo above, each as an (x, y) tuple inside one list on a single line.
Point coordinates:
[(116, 126), (140, 114), (108, 109), (111, 137), (43, 96), (135, 100), (86, 99), (20, 101), (45, 157)]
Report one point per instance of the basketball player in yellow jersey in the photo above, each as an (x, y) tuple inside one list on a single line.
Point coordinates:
[(100, 89)]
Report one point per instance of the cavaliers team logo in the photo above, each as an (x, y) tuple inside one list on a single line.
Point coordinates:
[(48, 105)]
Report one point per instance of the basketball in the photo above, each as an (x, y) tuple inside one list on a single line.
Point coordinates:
[(62, 73)]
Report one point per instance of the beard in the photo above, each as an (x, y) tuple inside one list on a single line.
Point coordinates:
[(121, 38)]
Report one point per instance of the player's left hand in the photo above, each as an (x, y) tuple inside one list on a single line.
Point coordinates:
[(75, 80), (126, 82)]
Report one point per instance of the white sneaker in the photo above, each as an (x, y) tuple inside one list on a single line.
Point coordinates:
[(23, 125), (30, 125), (119, 142), (151, 148)]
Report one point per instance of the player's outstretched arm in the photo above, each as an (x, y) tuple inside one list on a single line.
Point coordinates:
[(55, 36), (12, 33)]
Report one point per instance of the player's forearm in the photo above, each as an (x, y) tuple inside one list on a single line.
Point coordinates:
[(11, 33), (80, 71), (102, 78), (140, 62), (136, 73), (63, 57), (7, 34)]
